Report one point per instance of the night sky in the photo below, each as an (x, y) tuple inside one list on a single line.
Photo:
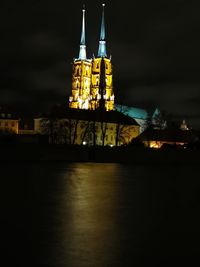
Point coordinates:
[(155, 48)]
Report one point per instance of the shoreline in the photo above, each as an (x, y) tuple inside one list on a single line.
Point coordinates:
[(75, 153)]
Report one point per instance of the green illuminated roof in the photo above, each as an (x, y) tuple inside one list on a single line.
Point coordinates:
[(132, 112)]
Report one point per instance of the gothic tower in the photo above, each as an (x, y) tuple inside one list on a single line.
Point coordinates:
[(102, 95), (81, 75), (92, 79)]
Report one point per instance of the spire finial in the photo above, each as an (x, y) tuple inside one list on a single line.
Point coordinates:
[(82, 52), (102, 42)]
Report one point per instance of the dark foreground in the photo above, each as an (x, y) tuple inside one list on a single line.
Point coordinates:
[(35, 152), (99, 214)]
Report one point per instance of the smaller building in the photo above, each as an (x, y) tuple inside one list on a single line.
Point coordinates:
[(9, 122), (155, 138)]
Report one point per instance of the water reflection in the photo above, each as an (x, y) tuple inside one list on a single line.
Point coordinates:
[(90, 224), (101, 215), (89, 214)]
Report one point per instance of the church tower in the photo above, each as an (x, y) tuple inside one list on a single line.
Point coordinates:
[(81, 75), (102, 95), (92, 86)]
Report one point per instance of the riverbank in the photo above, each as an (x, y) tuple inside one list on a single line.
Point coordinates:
[(68, 153)]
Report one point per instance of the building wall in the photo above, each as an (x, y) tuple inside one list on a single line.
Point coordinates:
[(9, 125), (82, 132), (37, 125)]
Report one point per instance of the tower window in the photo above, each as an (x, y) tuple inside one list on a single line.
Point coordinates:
[(97, 65), (86, 71), (77, 71)]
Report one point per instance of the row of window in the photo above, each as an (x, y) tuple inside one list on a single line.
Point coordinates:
[(4, 115), (78, 70), (7, 124)]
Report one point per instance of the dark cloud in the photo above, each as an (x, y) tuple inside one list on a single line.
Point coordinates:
[(154, 47)]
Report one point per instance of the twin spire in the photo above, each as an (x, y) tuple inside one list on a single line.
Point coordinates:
[(102, 42), (82, 51)]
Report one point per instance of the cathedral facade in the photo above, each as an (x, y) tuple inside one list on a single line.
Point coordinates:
[(92, 86)]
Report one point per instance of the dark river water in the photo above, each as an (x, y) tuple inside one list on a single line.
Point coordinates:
[(97, 214)]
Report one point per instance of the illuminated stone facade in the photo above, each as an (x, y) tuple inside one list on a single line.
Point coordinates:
[(101, 84), (81, 84), (92, 86)]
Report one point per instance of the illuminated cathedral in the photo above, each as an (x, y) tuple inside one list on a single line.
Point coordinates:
[(92, 86)]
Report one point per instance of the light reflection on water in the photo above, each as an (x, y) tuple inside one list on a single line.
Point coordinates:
[(94, 211), (95, 214), (92, 217)]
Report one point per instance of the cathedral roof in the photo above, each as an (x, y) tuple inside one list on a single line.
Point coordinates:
[(132, 112), (91, 115)]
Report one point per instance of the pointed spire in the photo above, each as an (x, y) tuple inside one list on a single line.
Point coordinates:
[(102, 34), (102, 42), (82, 51), (83, 27)]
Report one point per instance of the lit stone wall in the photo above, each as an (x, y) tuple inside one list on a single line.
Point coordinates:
[(86, 84), (95, 84), (81, 83), (82, 132)]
